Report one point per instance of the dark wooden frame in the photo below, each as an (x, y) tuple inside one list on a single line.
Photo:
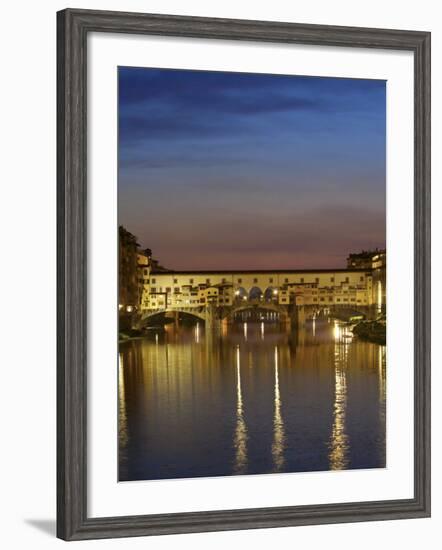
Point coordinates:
[(73, 27)]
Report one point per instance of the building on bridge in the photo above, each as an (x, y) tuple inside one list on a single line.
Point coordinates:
[(321, 288), (146, 287)]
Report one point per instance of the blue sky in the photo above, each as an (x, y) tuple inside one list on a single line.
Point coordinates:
[(249, 171)]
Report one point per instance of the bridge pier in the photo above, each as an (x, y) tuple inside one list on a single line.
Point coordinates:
[(211, 318), (299, 316)]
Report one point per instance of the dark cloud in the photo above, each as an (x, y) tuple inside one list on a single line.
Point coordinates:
[(140, 84)]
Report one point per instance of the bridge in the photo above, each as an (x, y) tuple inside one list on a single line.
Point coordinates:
[(292, 296), (213, 314)]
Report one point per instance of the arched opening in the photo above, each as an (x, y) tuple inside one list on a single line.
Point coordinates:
[(271, 294), (162, 318), (256, 313), (255, 293), (240, 294)]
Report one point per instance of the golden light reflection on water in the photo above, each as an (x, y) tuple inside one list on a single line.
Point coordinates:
[(382, 383), (122, 416), (339, 442), (278, 424), (197, 402), (240, 440), (381, 373)]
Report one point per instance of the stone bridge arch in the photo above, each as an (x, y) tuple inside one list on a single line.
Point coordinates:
[(257, 305), (198, 314), (335, 311)]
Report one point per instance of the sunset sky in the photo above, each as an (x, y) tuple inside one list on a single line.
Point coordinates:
[(250, 171)]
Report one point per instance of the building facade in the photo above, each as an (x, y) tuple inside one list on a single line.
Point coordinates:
[(133, 277), (344, 287), (376, 261), (127, 270), (146, 287)]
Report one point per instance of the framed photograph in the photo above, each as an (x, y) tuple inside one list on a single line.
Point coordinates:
[(234, 349)]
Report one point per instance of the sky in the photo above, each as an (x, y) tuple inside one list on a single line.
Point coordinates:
[(223, 170)]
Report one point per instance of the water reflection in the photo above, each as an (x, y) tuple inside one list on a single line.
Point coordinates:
[(240, 442), (382, 384), (122, 413), (250, 399), (339, 441), (278, 424), (381, 371)]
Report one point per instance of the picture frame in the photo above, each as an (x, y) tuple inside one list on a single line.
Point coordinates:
[(73, 28)]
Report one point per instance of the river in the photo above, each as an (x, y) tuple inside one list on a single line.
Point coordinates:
[(251, 398)]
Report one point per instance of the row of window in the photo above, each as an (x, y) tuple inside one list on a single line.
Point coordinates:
[(255, 280), (177, 290), (337, 300), (198, 301), (228, 301)]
